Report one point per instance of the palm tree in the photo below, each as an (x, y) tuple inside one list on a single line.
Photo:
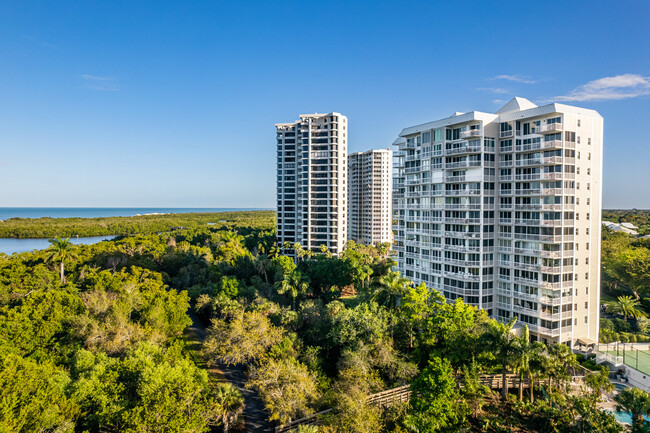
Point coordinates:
[(627, 306), (325, 251), (504, 346), (390, 289), (536, 365), (61, 250), (524, 351), (294, 284), (559, 359), (262, 263), (597, 383), (231, 404), (637, 402)]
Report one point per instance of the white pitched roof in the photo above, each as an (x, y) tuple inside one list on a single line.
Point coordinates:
[(516, 104)]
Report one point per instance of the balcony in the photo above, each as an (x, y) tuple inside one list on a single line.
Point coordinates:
[(552, 176), (536, 191), (542, 145), (527, 222), (550, 223), (506, 134), (550, 254), (528, 162), (454, 192), (551, 269), (462, 206), (527, 267), (471, 133), (462, 149), (462, 292), (461, 248), (412, 170), (549, 127), (461, 262), (550, 160), (461, 178), (550, 316), (526, 251), (525, 281), (463, 235), (462, 164), (452, 220), (462, 275)]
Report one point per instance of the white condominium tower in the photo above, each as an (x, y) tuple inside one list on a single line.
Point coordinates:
[(312, 181), (370, 191), (503, 210)]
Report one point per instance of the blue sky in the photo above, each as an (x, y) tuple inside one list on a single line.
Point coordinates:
[(159, 103)]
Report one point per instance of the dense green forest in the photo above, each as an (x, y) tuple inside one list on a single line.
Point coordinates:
[(625, 286), (143, 224), (638, 217), (91, 339)]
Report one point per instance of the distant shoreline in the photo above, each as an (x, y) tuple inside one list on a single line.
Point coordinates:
[(91, 225), (106, 212)]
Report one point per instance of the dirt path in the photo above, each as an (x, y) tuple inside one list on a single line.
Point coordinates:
[(255, 415)]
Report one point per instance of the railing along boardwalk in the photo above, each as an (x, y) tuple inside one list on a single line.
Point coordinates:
[(390, 396), (308, 420), (403, 394), (383, 399)]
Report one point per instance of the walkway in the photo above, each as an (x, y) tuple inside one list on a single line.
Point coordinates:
[(255, 415)]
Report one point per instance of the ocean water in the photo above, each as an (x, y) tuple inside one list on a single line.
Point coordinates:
[(10, 246), (95, 212)]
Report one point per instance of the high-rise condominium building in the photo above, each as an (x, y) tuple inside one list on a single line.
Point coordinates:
[(370, 191), (503, 210), (312, 181)]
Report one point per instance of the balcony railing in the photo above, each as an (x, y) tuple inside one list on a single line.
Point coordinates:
[(528, 162), (471, 133), (463, 235), (506, 134), (463, 192), (462, 149), (462, 206), (463, 164), (549, 127)]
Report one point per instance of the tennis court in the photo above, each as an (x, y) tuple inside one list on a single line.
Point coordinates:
[(633, 355)]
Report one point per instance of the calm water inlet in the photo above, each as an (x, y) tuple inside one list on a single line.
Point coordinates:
[(10, 246)]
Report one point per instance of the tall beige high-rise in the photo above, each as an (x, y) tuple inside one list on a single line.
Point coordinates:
[(503, 210), (370, 191), (312, 181)]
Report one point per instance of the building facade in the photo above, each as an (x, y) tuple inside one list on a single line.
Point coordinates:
[(312, 181), (370, 191), (503, 210)]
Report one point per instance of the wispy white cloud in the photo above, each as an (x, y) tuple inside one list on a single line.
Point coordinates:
[(498, 101), (515, 78), (95, 82), (496, 90), (623, 86)]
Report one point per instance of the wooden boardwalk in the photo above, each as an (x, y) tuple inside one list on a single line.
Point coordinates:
[(403, 394)]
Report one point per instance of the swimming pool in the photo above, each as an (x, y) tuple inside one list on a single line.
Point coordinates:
[(625, 417), (620, 386)]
